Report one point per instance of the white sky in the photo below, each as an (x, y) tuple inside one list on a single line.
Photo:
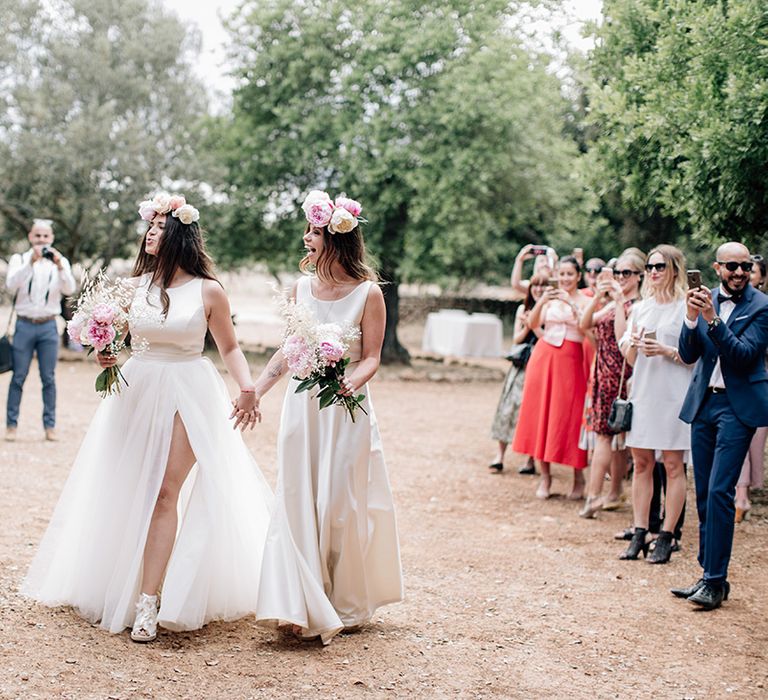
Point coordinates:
[(212, 65)]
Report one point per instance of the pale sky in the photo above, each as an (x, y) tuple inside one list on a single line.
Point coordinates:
[(212, 65)]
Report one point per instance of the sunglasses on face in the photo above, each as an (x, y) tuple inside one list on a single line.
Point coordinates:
[(656, 266), (624, 273), (733, 266), (592, 269)]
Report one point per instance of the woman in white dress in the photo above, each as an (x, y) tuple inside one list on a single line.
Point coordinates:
[(332, 554), (659, 384), (124, 527)]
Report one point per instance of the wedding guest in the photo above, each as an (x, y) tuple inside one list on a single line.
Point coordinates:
[(38, 278), (505, 419), (123, 529), (332, 555), (591, 271), (607, 314), (659, 383), (753, 472), (544, 260), (725, 333), (555, 385)]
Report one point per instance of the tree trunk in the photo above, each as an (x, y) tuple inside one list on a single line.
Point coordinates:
[(392, 352)]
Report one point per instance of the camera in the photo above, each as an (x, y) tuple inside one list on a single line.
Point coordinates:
[(47, 253)]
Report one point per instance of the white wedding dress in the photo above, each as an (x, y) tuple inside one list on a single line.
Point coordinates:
[(91, 555), (332, 554)]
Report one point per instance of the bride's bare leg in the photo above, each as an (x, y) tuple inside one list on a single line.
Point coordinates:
[(162, 528)]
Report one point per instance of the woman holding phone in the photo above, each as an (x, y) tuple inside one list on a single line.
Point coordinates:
[(555, 384), (659, 384)]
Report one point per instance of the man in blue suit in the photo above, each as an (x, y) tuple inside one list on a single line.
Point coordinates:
[(725, 333)]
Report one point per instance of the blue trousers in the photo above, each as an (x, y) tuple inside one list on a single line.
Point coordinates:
[(719, 443), (29, 338)]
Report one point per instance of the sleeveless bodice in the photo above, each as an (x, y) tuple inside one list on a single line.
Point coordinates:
[(177, 337), (348, 310)]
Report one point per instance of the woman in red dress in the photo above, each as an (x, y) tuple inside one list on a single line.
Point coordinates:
[(555, 384)]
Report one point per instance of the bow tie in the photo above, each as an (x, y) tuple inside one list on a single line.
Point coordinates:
[(736, 298)]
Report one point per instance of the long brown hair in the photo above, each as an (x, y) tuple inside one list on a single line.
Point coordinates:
[(181, 246), (346, 248)]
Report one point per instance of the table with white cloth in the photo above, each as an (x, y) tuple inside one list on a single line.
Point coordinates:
[(457, 333)]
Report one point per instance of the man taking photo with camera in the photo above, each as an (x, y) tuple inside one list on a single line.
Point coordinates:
[(38, 279)]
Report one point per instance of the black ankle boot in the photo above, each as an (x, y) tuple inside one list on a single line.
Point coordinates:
[(663, 549), (636, 545)]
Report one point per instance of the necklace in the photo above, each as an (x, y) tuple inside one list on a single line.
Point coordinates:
[(330, 302)]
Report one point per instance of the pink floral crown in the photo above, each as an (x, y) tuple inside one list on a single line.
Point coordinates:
[(341, 216), (164, 203)]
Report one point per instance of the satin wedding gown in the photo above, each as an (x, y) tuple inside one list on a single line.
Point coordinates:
[(332, 554), (91, 555)]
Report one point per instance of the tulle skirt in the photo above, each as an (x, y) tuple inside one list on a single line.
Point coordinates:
[(91, 555), (553, 404)]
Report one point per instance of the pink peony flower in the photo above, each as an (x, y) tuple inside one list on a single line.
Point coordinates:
[(331, 351), (352, 206), (74, 329), (100, 335), (103, 314), (177, 200), (147, 210), (319, 213)]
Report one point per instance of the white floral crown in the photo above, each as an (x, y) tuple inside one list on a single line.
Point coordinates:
[(164, 203), (341, 216)]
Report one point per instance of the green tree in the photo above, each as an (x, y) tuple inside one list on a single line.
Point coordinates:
[(432, 114), (680, 102), (99, 106)]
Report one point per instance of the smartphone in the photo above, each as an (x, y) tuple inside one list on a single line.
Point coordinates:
[(650, 335), (539, 250), (553, 282), (694, 279)]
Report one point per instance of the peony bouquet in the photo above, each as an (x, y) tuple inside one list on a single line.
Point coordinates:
[(101, 323), (315, 353)]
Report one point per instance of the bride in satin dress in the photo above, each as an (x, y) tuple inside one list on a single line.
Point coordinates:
[(163, 494), (332, 555)]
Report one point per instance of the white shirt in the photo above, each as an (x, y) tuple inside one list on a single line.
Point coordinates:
[(38, 286), (716, 380)]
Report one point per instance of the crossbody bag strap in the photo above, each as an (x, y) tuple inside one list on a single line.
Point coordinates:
[(10, 316), (621, 381)]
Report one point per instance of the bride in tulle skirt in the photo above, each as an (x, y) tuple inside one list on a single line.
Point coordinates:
[(163, 493)]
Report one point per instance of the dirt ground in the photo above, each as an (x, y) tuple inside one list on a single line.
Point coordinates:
[(507, 597)]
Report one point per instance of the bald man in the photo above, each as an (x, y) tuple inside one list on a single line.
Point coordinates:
[(725, 333), (38, 278)]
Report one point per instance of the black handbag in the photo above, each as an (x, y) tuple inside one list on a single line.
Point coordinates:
[(620, 417), (519, 354), (6, 348)]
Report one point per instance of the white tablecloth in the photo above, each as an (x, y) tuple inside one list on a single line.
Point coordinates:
[(455, 332)]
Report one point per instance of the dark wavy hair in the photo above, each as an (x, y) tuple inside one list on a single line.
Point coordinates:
[(346, 248), (181, 246)]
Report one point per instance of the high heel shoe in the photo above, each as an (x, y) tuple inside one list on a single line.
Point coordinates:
[(591, 506), (636, 545), (145, 623), (663, 550)]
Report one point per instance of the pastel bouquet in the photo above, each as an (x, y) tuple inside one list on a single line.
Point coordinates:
[(100, 323), (316, 354)]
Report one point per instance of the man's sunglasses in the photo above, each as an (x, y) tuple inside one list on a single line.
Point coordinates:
[(625, 273), (649, 267), (733, 266)]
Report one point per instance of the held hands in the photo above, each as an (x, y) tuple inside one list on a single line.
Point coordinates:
[(699, 301), (37, 254), (245, 411)]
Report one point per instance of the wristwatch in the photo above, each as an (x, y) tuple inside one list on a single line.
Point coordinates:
[(714, 323)]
